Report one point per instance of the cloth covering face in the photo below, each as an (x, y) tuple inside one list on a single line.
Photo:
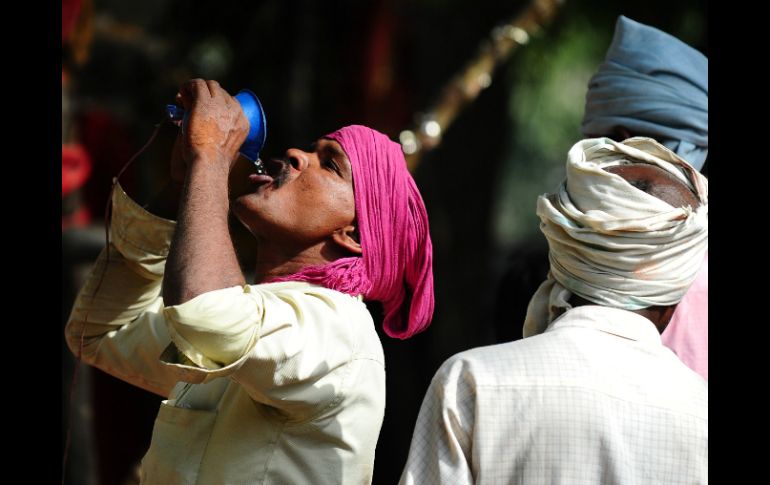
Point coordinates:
[(612, 243)]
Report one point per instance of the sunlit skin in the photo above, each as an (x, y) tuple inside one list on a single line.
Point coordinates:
[(302, 213), (302, 210)]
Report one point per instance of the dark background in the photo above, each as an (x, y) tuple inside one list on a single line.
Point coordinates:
[(317, 66)]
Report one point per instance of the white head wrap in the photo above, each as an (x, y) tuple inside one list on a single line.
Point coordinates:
[(612, 243)]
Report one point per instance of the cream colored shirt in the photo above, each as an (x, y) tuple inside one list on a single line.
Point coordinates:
[(279, 383), (596, 399)]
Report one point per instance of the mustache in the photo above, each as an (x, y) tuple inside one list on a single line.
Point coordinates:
[(282, 174)]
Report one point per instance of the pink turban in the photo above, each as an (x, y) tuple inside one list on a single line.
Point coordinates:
[(396, 266)]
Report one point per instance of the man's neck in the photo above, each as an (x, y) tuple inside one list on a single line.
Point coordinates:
[(658, 315), (274, 262)]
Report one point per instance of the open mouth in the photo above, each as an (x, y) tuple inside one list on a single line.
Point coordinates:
[(273, 171)]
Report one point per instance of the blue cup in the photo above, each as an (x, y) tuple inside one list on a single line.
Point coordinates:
[(254, 113)]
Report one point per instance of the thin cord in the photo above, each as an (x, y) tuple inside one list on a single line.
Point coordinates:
[(107, 223)]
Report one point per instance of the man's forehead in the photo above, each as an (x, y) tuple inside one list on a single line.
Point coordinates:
[(324, 143)]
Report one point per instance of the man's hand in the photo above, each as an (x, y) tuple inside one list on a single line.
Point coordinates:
[(216, 127), (201, 257)]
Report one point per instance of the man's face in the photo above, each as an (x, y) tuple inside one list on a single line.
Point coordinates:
[(304, 197)]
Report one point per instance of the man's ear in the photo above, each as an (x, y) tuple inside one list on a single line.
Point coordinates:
[(347, 239)]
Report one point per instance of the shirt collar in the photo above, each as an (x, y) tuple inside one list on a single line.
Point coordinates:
[(615, 321)]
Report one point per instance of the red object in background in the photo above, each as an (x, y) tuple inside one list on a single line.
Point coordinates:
[(108, 141), (69, 16), (80, 218), (75, 168), (386, 102)]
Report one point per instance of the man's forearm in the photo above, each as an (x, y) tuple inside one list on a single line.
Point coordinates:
[(202, 257)]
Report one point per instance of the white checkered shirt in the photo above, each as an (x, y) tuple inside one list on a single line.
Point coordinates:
[(595, 399)]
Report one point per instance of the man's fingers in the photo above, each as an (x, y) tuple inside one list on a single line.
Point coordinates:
[(192, 90), (214, 89), (218, 92)]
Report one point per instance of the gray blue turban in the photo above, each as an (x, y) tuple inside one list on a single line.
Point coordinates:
[(652, 84)]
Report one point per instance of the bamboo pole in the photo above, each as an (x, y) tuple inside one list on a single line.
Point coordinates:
[(476, 76)]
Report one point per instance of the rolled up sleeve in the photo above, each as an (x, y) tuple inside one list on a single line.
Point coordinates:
[(287, 344), (217, 328), (288, 348), (116, 322)]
